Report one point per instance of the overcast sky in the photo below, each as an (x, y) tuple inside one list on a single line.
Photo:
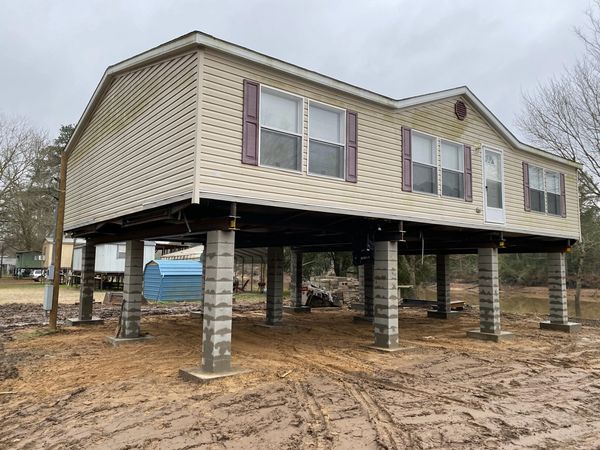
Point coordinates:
[(53, 53)]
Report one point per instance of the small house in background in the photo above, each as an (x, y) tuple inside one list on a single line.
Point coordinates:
[(68, 247), (174, 280), (110, 263), (27, 261), (7, 265)]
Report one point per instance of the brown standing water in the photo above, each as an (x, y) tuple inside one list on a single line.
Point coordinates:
[(523, 300)]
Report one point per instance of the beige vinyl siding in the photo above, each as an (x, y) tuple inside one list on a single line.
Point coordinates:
[(378, 191), (138, 149), (438, 119)]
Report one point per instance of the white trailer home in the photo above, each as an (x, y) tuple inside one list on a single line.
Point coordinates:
[(203, 141), (110, 258)]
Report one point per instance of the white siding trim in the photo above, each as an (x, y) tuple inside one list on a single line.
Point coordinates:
[(198, 149)]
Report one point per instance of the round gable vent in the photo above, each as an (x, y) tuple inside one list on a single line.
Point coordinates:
[(460, 109)]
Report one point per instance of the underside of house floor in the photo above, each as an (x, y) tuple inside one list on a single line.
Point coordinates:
[(376, 243)]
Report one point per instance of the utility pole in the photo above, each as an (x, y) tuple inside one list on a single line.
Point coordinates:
[(58, 239)]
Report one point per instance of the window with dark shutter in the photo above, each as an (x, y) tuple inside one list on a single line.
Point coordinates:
[(424, 170), (351, 146), (453, 169), (563, 196), (527, 199), (468, 174), (406, 160), (250, 126)]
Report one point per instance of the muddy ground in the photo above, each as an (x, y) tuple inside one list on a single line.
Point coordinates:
[(312, 383)]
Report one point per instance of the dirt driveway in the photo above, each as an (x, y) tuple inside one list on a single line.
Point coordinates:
[(312, 384)]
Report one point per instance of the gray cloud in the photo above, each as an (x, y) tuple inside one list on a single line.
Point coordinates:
[(54, 53)]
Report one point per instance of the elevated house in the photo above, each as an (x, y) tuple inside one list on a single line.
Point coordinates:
[(203, 141)]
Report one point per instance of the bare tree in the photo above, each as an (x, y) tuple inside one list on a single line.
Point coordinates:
[(563, 116), (21, 149), (20, 145)]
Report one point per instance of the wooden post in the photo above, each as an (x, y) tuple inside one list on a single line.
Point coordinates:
[(2, 260), (58, 239)]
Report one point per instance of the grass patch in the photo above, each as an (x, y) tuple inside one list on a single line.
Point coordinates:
[(249, 297), (38, 332), (20, 285)]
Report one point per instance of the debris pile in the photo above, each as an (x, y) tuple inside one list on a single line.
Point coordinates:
[(344, 290)]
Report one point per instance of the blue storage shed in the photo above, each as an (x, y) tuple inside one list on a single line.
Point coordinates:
[(173, 280)]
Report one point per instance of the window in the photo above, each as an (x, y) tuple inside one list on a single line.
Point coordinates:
[(280, 129), (424, 163), (553, 193), (453, 169), (536, 189), (121, 251), (326, 152)]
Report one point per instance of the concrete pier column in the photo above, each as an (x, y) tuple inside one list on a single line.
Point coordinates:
[(296, 272), (385, 299), (489, 298), (369, 287), (361, 284), (131, 313), (132, 289), (86, 288), (443, 308), (274, 285), (365, 291), (557, 295), (218, 301)]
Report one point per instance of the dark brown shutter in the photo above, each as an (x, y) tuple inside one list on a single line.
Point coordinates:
[(251, 127), (468, 175), (563, 196), (526, 196), (406, 160), (351, 146)]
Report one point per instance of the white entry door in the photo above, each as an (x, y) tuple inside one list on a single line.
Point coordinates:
[(493, 189)]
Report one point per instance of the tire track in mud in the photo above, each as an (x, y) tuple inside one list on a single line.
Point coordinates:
[(379, 417), (318, 418), (375, 379)]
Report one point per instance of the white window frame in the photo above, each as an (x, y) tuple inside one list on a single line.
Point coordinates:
[(343, 143), (441, 169), (300, 134), (437, 164), (545, 211), (560, 203), (545, 171), (124, 252)]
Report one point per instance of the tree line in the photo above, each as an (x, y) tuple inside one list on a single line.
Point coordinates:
[(29, 168)]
